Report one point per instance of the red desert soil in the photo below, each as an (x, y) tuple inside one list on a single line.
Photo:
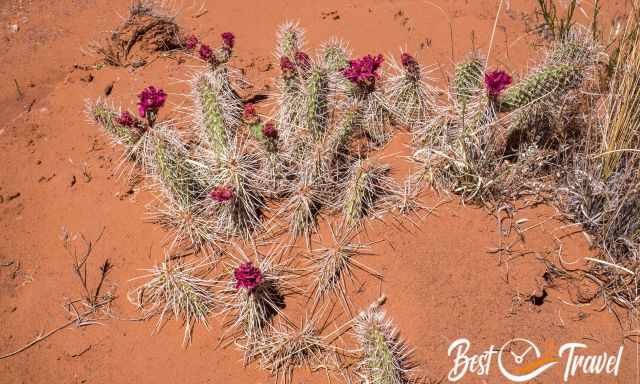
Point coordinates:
[(441, 280)]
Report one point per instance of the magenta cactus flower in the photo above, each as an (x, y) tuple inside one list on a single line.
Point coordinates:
[(247, 276), (302, 61), (249, 114), (191, 43), (269, 131), (221, 194), (150, 102), (496, 81), (205, 52), (287, 67), (407, 60), (410, 65), (126, 120), (228, 39), (363, 71)]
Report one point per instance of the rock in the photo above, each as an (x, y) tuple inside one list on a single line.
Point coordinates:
[(587, 291), (14, 28)]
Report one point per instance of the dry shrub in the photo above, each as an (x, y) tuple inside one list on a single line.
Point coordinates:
[(144, 33)]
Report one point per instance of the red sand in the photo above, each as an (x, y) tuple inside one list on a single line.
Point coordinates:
[(442, 283)]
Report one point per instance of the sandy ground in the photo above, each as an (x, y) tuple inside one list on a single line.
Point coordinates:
[(440, 276)]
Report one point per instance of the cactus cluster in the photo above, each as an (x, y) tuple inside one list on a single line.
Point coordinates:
[(228, 172), (468, 146)]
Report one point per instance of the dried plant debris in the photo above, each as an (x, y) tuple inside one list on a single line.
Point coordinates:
[(147, 31)]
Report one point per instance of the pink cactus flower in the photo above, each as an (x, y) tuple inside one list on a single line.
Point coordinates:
[(191, 43), (410, 65), (228, 39), (363, 71), (150, 101), (269, 131), (496, 81), (247, 276), (205, 52), (287, 67), (302, 61), (221, 194), (126, 120), (249, 114)]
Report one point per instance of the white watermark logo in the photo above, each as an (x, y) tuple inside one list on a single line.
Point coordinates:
[(520, 360)]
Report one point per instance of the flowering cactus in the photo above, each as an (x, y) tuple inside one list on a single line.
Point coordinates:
[(410, 98), (124, 128), (335, 56)]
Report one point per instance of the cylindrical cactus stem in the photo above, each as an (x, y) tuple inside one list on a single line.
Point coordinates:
[(317, 102), (335, 56), (290, 39), (214, 128), (349, 123), (552, 81), (384, 356), (366, 184), (467, 79), (108, 120), (169, 165), (217, 109)]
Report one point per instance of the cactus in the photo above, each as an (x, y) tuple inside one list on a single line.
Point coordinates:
[(290, 39), (467, 79), (130, 136), (317, 102), (217, 109), (385, 357), (409, 97), (367, 183), (238, 171), (179, 289), (335, 55), (552, 81), (167, 160)]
